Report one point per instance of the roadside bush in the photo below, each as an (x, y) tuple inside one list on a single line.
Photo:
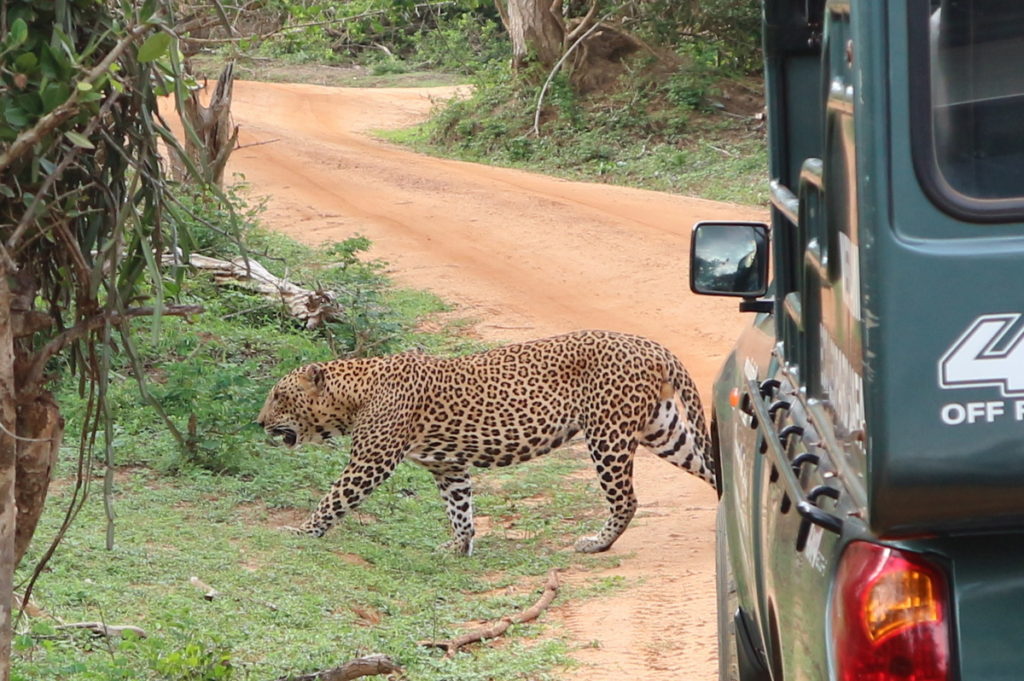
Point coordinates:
[(462, 44), (669, 109), (211, 374), (388, 37), (205, 214), (727, 30)]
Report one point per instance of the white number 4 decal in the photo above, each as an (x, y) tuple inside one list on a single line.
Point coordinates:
[(986, 355)]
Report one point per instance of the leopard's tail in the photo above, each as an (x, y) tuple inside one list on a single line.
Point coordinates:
[(677, 431)]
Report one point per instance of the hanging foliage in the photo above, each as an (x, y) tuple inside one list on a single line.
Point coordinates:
[(83, 218)]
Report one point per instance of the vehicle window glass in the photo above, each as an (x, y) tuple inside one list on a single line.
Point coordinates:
[(976, 55)]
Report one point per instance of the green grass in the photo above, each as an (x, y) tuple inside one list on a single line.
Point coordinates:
[(375, 583), (213, 508), (720, 168)]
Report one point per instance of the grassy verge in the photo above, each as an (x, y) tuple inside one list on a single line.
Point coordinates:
[(212, 509), (287, 604), (694, 132)]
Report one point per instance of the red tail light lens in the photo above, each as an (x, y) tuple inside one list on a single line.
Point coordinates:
[(890, 617)]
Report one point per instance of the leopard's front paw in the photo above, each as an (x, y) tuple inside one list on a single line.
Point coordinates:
[(460, 546), (591, 545), (303, 531)]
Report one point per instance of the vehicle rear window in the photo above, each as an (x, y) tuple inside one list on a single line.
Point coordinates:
[(972, 132)]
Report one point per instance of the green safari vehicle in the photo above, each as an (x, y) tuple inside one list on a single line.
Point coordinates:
[(869, 423)]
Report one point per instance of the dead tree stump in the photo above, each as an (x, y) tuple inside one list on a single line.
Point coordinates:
[(210, 136)]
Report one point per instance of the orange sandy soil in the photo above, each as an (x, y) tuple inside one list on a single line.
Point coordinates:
[(526, 256)]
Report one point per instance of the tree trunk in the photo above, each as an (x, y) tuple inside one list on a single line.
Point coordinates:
[(31, 429), (214, 136), (40, 423), (536, 30), (8, 464)]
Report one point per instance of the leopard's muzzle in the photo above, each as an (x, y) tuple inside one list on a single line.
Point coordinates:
[(287, 435)]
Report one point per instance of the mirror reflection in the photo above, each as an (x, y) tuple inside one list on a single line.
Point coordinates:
[(730, 259)]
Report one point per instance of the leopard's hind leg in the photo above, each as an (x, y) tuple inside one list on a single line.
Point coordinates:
[(676, 433), (613, 458)]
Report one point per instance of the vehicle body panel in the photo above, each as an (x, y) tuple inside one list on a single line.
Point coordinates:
[(881, 398)]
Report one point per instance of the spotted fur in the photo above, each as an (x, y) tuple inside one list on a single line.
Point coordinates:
[(496, 408)]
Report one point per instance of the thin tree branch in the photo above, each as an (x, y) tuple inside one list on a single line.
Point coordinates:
[(555, 10), (371, 665), (27, 218), (256, 144), (554, 70), (223, 16), (452, 645), (79, 330), (6, 261), (502, 12), (23, 439), (584, 24)]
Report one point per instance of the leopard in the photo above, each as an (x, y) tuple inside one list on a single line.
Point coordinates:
[(495, 408)]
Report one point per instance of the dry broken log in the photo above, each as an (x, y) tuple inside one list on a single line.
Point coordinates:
[(311, 307), (371, 665), (209, 593), (494, 630)]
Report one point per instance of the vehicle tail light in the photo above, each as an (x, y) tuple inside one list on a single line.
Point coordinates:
[(890, 617)]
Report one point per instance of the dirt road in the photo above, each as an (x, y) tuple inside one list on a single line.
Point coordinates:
[(527, 256)]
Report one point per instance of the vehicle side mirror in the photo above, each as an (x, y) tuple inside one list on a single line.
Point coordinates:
[(729, 259)]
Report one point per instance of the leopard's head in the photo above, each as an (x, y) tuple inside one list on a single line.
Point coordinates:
[(294, 410)]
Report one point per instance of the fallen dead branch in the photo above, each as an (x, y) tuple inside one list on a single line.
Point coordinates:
[(106, 630), (494, 630), (371, 665), (311, 307), (98, 628)]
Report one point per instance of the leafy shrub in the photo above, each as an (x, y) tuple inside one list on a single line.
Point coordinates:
[(727, 30), (462, 44), (206, 216), (458, 36), (690, 88), (388, 64)]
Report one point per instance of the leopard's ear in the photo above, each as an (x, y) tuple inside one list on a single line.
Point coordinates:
[(313, 378), (317, 375)]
